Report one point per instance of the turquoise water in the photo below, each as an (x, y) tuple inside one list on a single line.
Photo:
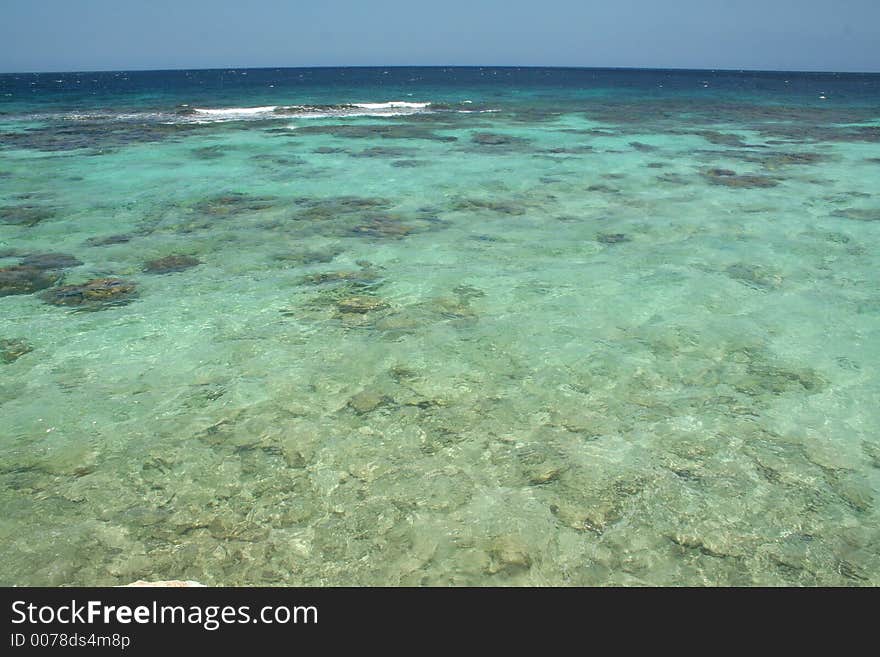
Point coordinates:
[(486, 327)]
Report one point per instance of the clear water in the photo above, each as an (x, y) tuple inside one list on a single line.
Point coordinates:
[(559, 327)]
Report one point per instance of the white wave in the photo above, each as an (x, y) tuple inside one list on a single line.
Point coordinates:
[(233, 113), (344, 114), (100, 116), (392, 108), (394, 104), (186, 114)]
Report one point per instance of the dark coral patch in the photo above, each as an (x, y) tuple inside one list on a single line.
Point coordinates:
[(496, 139), (409, 164), (372, 131), (12, 350), (224, 205), (50, 261), (98, 134), (787, 159), (384, 151), (323, 209), (728, 178), (476, 205), (170, 264), (20, 279), (612, 238), (384, 226), (93, 295), (25, 215), (672, 179), (755, 276), (208, 152), (121, 238), (360, 304), (858, 214), (568, 150), (721, 138)]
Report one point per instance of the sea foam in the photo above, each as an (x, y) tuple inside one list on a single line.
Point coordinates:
[(390, 108), (233, 113)]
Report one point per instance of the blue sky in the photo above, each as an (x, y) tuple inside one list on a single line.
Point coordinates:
[(66, 35)]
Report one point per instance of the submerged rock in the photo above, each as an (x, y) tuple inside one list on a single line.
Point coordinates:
[(450, 307), (208, 152), (97, 134), (384, 151), (367, 401), (24, 215), (495, 139), (12, 350), (308, 257), (858, 214), (476, 204), (338, 207), (235, 203), (872, 452), (672, 179), (121, 238), (360, 304), (170, 264), (95, 294), (544, 473), (785, 159), (769, 378), (468, 292), (372, 131), (50, 261), (612, 238), (728, 178), (400, 323), (721, 138), (603, 188), (23, 279), (409, 164), (644, 148), (755, 276), (383, 226), (364, 276), (569, 150), (509, 554)]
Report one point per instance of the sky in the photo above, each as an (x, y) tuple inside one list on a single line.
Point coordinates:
[(73, 35)]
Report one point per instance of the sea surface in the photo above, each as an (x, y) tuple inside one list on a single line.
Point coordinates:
[(440, 326)]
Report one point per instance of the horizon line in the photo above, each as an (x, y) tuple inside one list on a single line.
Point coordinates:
[(434, 66)]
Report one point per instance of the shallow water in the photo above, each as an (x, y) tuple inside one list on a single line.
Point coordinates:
[(555, 327)]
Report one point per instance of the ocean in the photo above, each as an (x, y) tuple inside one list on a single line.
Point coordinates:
[(440, 327)]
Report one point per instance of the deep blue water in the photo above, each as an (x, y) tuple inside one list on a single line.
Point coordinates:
[(160, 89)]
